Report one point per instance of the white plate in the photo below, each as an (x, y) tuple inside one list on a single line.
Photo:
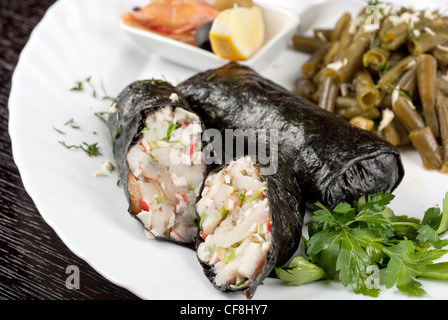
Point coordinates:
[(280, 26), (81, 38)]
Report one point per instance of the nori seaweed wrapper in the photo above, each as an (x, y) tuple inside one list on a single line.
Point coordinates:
[(132, 107), (332, 160), (287, 214)]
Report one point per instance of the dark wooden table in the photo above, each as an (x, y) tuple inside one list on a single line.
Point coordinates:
[(33, 260)]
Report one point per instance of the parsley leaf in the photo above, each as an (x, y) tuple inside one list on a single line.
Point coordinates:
[(407, 263), (350, 241)]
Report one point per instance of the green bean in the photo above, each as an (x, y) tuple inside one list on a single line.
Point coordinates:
[(344, 41), (320, 76), (316, 95), (363, 123), (394, 73), (348, 108), (442, 110), (305, 88), (340, 26), (347, 102), (442, 84), (402, 132), (426, 78), (382, 97), (440, 24), (352, 59), (392, 134), (375, 57), (312, 65), (396, 56), (408, 115), (366, 92), (395, 37), (330, 90), (332, 52), (441, 55), (430, 152), (323, 33), (426, 42), (386, 26), (408, 82), (306, 44)]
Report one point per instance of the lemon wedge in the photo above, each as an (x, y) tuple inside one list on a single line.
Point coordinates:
[(237, 33)]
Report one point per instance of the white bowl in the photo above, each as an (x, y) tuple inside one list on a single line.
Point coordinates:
[(280, 26)]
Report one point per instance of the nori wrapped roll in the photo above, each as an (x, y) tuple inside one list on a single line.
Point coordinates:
[(250, 222), (332, 160), (156, 141)]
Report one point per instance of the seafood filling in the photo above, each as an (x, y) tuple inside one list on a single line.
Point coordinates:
[(235, 223), (166, 173)]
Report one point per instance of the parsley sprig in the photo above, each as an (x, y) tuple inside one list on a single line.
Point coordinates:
[(351, 243)]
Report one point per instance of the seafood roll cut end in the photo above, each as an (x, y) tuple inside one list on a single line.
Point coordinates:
[(166, 172), (235, 227)]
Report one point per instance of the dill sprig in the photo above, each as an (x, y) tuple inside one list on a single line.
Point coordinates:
[(92, 150)]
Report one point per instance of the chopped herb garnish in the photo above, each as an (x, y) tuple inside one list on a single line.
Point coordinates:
[(170, 130), (229, 257), (59, 131), (240, 283), (212, 251), (200, 221), (117, 132), (260, 229), (92, 150), (384, 67), (152, 144), (91, 86), (159, 199), (224, 212), (404, 94), (100, 115), (106, 96), (192, 187), (254, 196), (153, 158), (210, 77), (78, 86), (241, 195), (72, 124)]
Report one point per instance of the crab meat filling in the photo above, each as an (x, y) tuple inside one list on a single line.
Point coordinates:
[(235, 223), (166, 172)]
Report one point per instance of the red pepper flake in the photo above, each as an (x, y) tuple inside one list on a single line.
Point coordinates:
[(144, 205), (185, 123), (268, 226), (203, 235)]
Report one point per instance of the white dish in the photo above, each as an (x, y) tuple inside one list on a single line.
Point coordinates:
[(90, 213), (280, 26)]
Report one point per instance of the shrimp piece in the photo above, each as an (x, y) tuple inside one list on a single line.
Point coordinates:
[(178, 19)]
